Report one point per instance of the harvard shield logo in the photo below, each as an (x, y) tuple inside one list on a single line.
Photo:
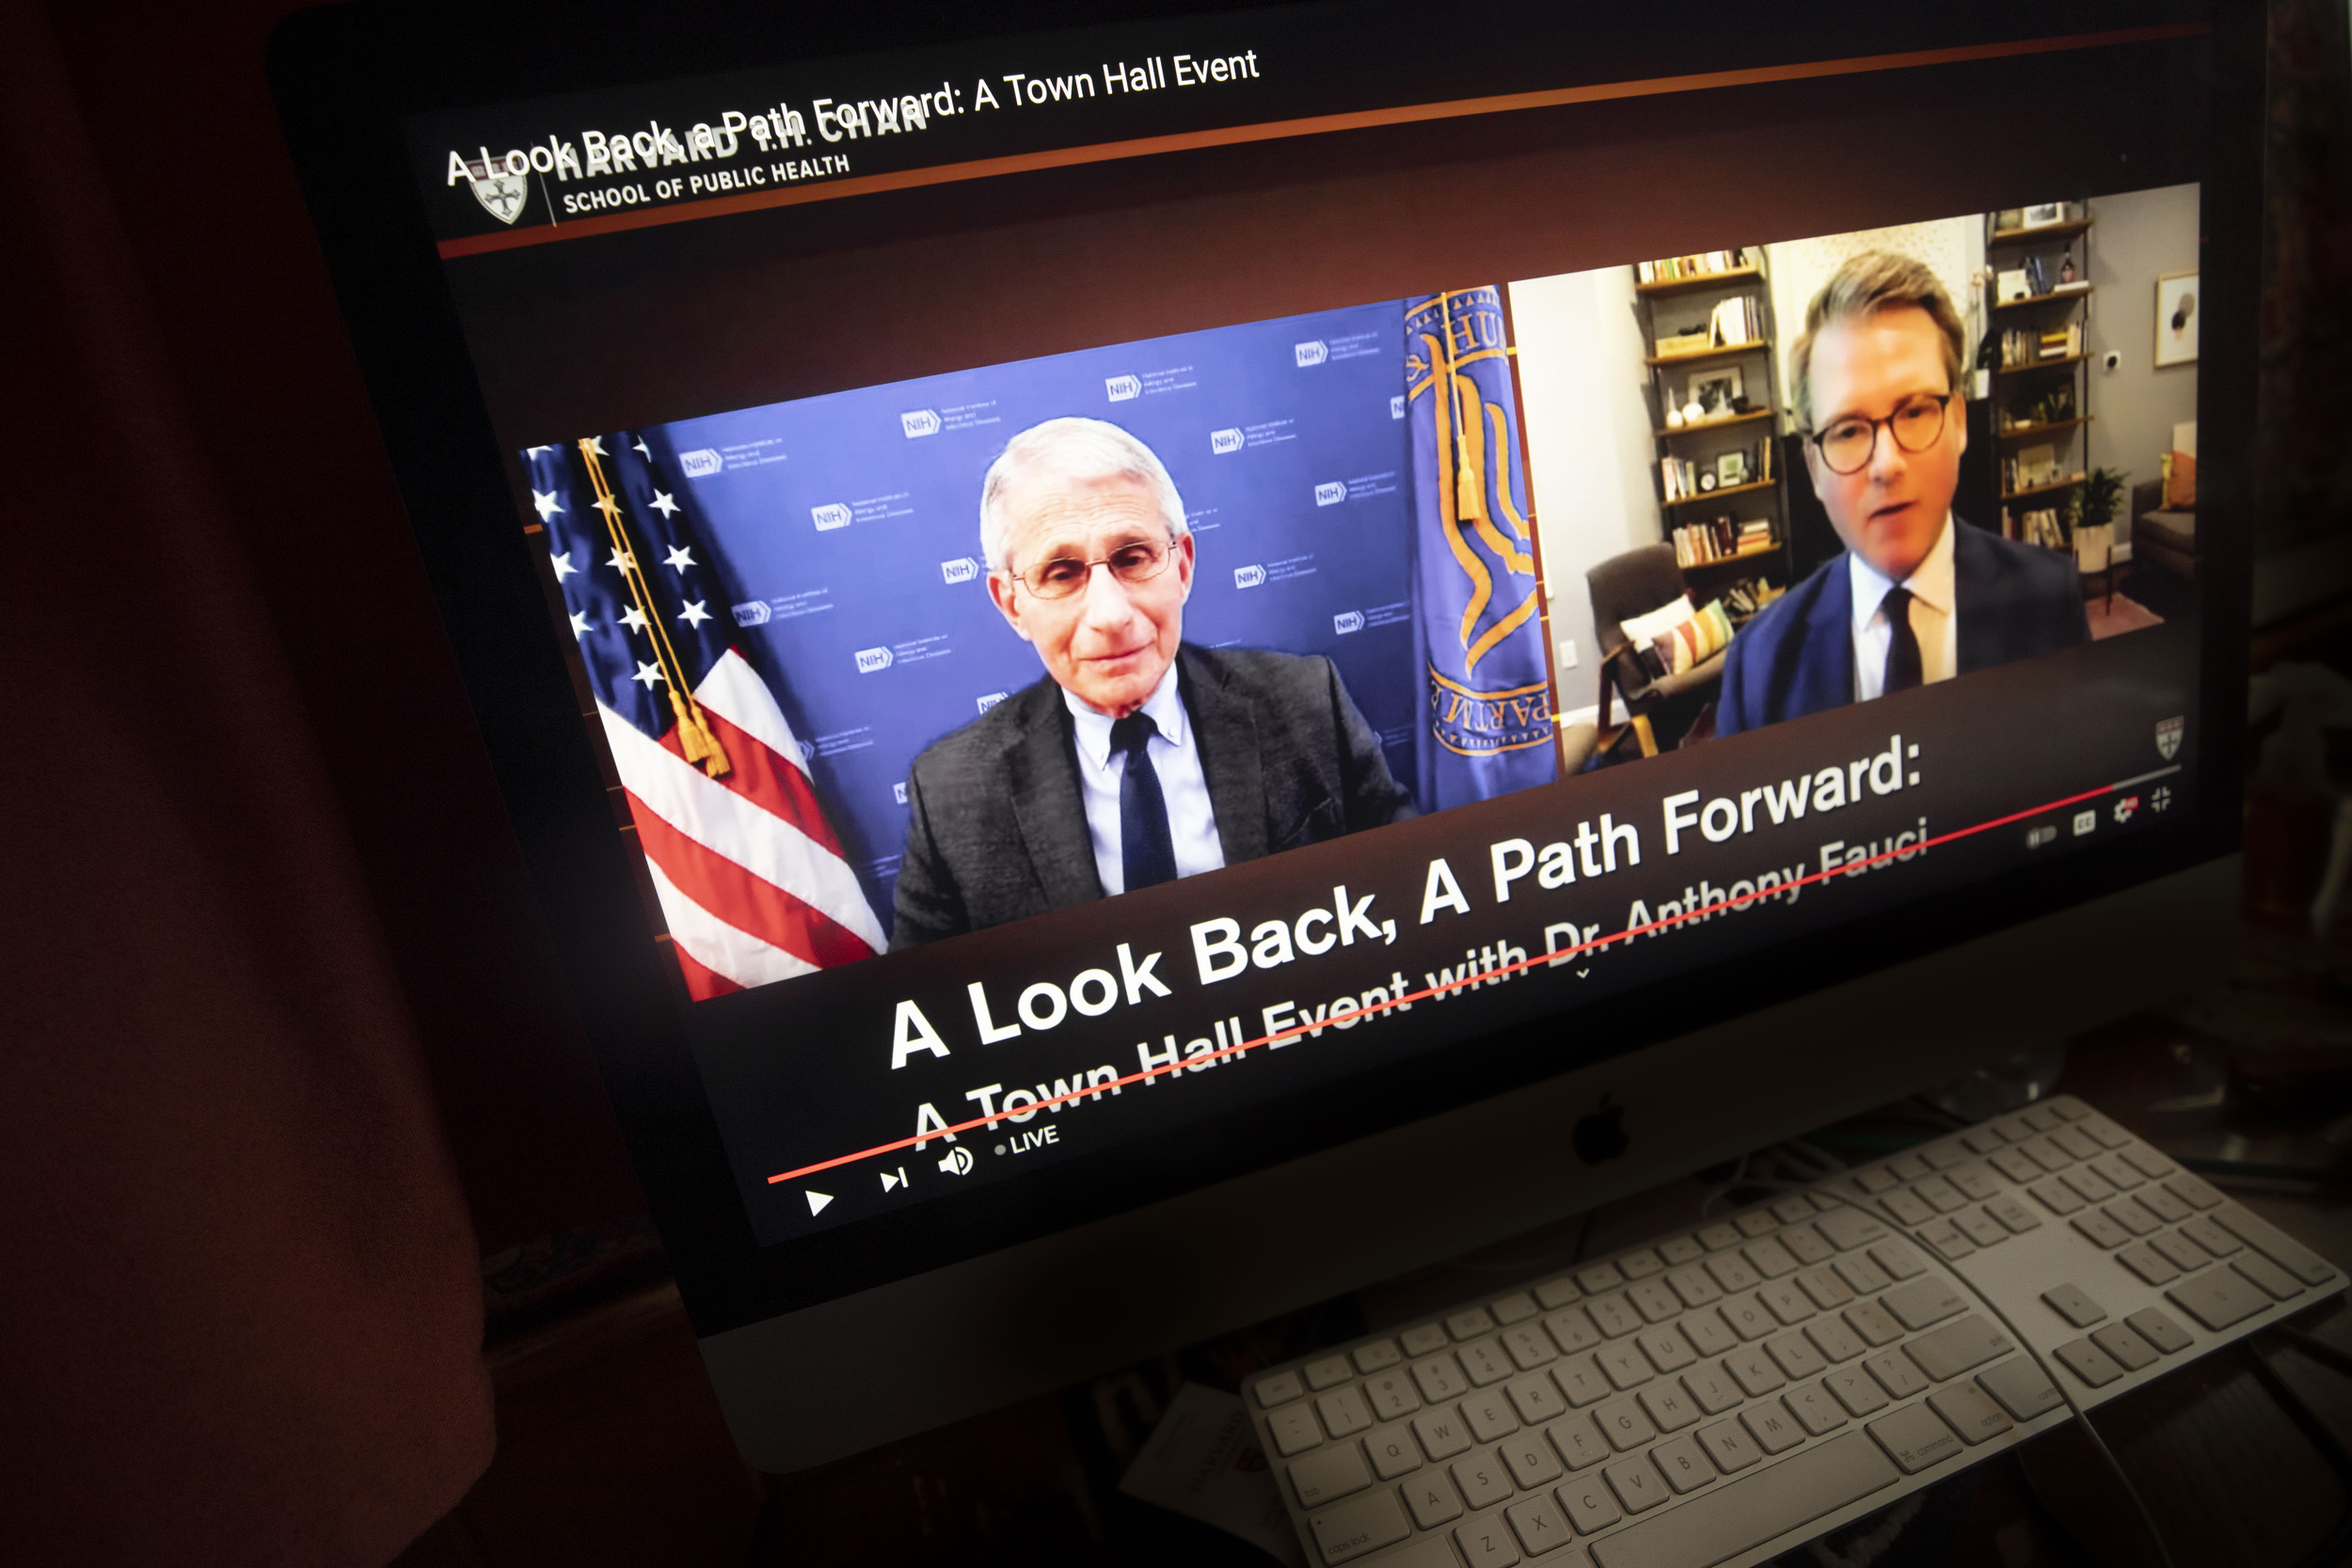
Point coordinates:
[(2169, 737), (501, 193)]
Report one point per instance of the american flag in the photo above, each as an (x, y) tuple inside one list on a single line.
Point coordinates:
[(750, 878)]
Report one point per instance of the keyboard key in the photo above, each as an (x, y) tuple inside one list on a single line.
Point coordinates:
[(1984, 1140), (2118, 1171), (1577, 1441), (1571, 1330), (1537, 1523), (1833, 1340), (2043, 1153), (1824, 1288), (1485, 1362), (1638, 1486), (1898, 1258), (1710, 1389), (1980, 1227), (1716, 1237), (1944, 1153), (1343, 1412), (2015, 1129), (1514, 1308), (1391, 1395), (1974, 1179), (1280, 1388), (2041, 1118), (1708, 1333), (2071, 1108), (1906, 1205), (1788, 1303), (1896, 1374), (1684, 1466), (1683, 1249), (1377, 1356), (2147, 1262), (1424, 1339), (2275, 1281), (2217, 1298), (1440, 1378), (1655, 1300), (1755, 1222), (1443, 1433), (1768, 1259), (2273, 1244), (1792, 1209), (1956, 1347), (1666, 1348), (1907, 1167), (1579, 1382), (1587, 1504), (1924, 1301), (2129, 1351), (1624, 1424), (2088, 1362), (2193, 1192), (2012, 1215), (1795, 1356), (1480, 1478), (1941, 1195), (2148, 1162), (1530, 1461), (1732, 1273), (1754, 1371), (1848, 1228), (1771, 1426), (1596, 1277), (1876, 1179), (2105, 1131), (1535, 1397), (1738, 1515), (2075, 1142), (1324, 1374), (2022, 1387), (1862, 1277), (2162, 1204), (1858, 1393), (2100, 1230), (1552, 1294), (1327, 1477), (1915, 1437), (1749, 1318), (1942, 1235), (1694, 1286), (1668, 1410), (1806, 1245), (2160, 1331), (1728, 1445), (2206, 1234), (1294, 1430), (1876, 1325), (2016, 1166), (1431, 1499), (2088, 1185), (1626, 1366), (1968, 1410), (1814, 1409), (1640, 1263), (1529, 1346), (1392, 1450), (1612, 1316), (2128, 1213), (1359, 1525), (1486, 1541), (1490, 1417), (2069, 1302)]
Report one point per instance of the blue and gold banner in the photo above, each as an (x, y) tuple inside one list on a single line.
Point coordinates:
[(1487, 729)]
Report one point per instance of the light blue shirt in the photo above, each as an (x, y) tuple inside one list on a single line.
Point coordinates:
[(1175, 755)]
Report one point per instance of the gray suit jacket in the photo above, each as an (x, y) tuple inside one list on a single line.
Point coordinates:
[(999, 830)]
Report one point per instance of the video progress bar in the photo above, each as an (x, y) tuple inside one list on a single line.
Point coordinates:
[(1499, 972)]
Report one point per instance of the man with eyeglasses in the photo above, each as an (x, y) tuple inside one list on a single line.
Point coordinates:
[(1139, 758), (1919, 595)]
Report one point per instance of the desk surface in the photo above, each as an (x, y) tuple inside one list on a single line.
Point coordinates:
[(611, 1448)]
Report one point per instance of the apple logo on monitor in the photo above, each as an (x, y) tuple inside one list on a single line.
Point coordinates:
[(1601, 1136)]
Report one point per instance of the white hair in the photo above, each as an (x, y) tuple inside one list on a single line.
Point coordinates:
[(1072, 448)]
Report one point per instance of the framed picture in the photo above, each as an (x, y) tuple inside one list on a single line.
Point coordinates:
[(2048, 211), (1731, 468), (1716, 390), (2176, 319)]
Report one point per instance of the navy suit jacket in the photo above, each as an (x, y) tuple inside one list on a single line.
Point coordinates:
[(1795, 657)]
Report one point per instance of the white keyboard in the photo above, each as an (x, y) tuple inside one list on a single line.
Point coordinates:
[(1719, 1395)]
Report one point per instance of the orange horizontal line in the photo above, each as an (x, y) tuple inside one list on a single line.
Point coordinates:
[(1276, 129)]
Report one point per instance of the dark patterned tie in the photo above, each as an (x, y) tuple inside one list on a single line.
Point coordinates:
[(1902, 643), (1146, 853)]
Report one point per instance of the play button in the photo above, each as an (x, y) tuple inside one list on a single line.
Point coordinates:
[(817, 1201)]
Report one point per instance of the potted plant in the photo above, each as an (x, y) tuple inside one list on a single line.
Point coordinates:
[(2101, 497)]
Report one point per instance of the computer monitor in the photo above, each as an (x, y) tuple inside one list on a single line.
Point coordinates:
[(1465, 442)]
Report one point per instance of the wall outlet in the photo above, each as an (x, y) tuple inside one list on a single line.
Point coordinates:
[(1567, 653)]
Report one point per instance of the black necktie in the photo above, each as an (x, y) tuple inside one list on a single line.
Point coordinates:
[(1146, 853), (1902, 643)]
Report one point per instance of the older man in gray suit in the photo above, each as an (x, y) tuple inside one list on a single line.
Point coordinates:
[(1139, 758)]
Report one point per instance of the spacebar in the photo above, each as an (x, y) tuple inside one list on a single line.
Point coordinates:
[(1707, 1528)]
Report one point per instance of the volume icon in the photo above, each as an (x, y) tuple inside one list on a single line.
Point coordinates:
[(958, 1162)]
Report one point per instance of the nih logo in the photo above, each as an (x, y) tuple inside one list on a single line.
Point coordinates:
[(992, 700), (1331, 494), (871, 659), (1123, 389), (830, 516), (1347, 621), (1311, 353), (1248, 576), (700, 465), (752, 614), (959, 571), (919, 421), (1224, 441)]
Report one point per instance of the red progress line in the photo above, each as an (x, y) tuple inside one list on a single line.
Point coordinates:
[(1499, 973)]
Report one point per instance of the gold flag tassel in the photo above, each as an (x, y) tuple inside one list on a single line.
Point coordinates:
[(700, 747)]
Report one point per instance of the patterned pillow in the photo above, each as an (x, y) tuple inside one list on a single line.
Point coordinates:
[(1648, 635), (1693, 643)]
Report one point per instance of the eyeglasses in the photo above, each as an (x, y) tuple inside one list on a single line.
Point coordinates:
[(1134, 564), (1849, 444)]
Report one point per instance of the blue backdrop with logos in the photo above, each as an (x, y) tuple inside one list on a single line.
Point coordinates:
[(847, 531)]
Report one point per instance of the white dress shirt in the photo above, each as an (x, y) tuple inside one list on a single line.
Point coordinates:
[(1175, 755), (1935, 618)]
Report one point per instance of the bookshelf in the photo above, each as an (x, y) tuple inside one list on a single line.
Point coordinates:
[(2038, 304), (1707, 333)]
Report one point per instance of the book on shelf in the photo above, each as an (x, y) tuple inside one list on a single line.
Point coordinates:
[(1699, 544), (2037, 526), (1736, 321), (2022, 346), (1675, 269)]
